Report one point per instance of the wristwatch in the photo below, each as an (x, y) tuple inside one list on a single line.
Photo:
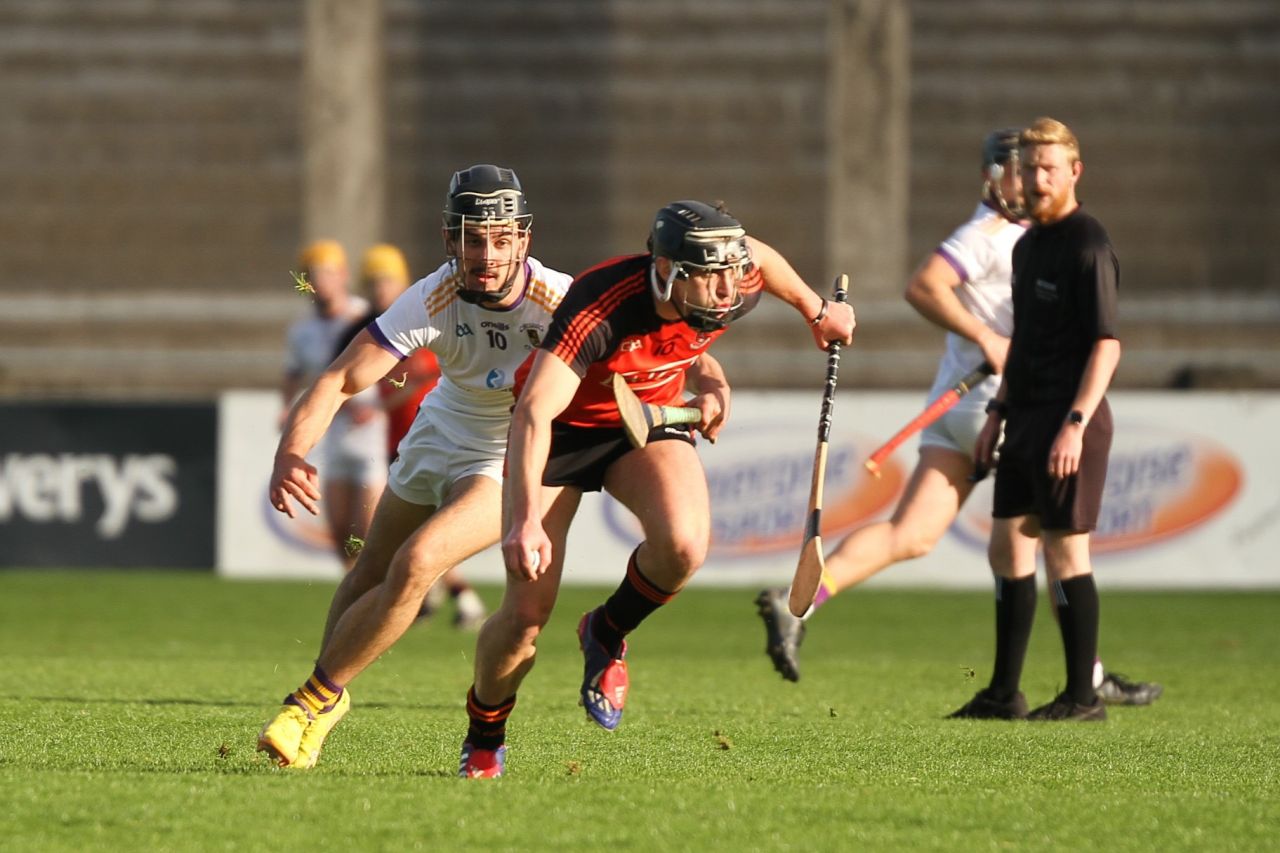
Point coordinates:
[(994, 405), (1076, 417)]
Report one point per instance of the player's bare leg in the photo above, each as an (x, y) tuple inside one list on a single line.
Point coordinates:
[(467, 522), (507, 645), (938, 487), (294, 736), (664, 487), (394, 521)]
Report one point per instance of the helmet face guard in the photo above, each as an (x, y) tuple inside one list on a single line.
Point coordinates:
[(485, 203), (698, 240), (999, 158)]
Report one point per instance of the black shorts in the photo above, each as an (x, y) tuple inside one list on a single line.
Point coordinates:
[(1023, 484), (580, 456)]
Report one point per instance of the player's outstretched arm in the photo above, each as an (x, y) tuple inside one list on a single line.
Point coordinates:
[(828, 321), (361, 364), (526, 549)]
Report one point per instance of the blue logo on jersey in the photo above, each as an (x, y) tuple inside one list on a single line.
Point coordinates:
[(496, 379)]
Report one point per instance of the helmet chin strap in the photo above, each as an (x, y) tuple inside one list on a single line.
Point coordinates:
[(701, 322), (662, 289)]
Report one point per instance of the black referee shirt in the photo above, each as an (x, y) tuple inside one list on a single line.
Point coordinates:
[(1065, 283)]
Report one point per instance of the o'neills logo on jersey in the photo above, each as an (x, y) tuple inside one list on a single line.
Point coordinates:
[(760, 491), (630, 345), (1161, 484)]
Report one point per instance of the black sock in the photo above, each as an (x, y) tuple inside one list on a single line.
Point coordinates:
[(631, 603), (1077, 603), (1015, 613), (488, 728)]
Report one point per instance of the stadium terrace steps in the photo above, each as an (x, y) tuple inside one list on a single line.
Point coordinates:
[(173, 346), (154, 160), (157, 346), (149, 145)]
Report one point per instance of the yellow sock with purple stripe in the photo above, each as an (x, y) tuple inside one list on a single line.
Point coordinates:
[(631, 603), (826, 589), (316, 695)]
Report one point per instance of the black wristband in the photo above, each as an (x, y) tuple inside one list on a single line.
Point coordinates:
[(999, 408)]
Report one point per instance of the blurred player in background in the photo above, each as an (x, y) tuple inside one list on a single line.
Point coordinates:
[(648, 318), (353, 457), (482, 313), (384, 275), (963, 287)]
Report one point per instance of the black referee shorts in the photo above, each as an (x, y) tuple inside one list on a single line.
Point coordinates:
[(580, 456), (1023, 484)]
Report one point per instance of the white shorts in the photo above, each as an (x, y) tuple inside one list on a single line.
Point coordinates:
[(958, 429), (444, 446), (355, 453)]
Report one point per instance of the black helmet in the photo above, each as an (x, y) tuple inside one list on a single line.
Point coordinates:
[(1000, 147), (699, 235), (999, 153), (485, 192), (485, 195)]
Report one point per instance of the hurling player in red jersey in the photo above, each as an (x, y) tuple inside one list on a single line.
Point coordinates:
[(650, 318)]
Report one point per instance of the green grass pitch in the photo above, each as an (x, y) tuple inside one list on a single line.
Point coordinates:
[(130, 702)]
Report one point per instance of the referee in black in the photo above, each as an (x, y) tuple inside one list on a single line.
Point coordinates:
[(1057, 429)]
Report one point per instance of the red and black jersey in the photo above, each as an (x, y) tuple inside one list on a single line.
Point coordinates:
[(608, 323)]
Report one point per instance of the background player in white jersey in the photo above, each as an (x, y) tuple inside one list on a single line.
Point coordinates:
[(964, 287), (481, 313), (353, 457)]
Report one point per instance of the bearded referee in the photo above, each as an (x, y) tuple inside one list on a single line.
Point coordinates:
[(1057, 430)]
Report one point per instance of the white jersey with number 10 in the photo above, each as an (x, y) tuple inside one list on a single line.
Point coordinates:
[(478, 348)]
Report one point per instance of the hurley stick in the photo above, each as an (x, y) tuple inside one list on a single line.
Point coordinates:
[(935, 410), (812, 565), (638, 417)]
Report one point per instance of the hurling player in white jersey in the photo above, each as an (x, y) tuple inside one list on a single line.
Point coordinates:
[(964, 286), (481, 313)]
